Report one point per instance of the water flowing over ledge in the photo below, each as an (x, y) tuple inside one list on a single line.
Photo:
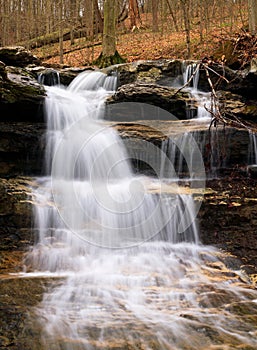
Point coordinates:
[(135, 273)]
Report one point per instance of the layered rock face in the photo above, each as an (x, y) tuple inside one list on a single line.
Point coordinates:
[(21, 97)]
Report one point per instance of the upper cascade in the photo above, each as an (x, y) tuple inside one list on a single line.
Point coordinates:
[(93, 81)]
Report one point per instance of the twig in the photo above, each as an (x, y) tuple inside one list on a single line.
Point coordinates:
[(213, 71), (189, 80)]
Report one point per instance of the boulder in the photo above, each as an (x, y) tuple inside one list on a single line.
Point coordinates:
[(21, 96), (17, 56), (149, 71), (179, 103), (167, 98), (3, 73)]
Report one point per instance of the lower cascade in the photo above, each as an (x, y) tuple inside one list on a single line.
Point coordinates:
[(124, 250)]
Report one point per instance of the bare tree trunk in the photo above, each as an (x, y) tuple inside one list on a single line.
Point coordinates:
[(48, 11), (73, 20), (134, 15), (99, 25), (175, 22), (252, 8), (61, 31), (4, 23), (186, 15), (109, 53), (109, 34), (155, 25), (89, 18)]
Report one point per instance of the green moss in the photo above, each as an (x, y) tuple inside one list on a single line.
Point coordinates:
[(106, 61), (251, 109)]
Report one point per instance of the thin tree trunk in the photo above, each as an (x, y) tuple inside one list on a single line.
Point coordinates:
[(99, 27), (109, 34), (134, 15), (186, 12), (155, 25), (89, 18), (175, 22), (252, 8), (61, 31), (73, 20)]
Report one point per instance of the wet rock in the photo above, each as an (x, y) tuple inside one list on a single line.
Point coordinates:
[(15, 214), (167, 98), (21, 97), (65, 75), (233, 105), (233, 207), (170, 73), (244, 85), (68, 74), (150, 71), (19, 327), (17, 56), (3, 74), (221, 149), (21, 148), (252, 171)]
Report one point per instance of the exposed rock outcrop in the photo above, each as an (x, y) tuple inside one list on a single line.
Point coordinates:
[(21, 148), (17, 56), (168, 98), (21, 97), (170, 73), (15, 213), (50, 75), (232, 205), (177, 102)]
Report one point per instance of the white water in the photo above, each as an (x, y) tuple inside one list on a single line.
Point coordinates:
[(136, 277), (201, 99), (187, 150), (252, 148), (49, 77)]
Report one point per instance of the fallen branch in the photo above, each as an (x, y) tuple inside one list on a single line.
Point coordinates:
[(189, 80), (98, 43)]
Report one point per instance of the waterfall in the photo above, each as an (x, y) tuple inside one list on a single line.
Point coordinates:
[(252, 152), (190, 150), (183, 150), (191, 70), (49, 77), (134, 275), (200, 99)]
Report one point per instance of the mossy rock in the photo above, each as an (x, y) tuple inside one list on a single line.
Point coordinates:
[(21, 96), (17, 56)]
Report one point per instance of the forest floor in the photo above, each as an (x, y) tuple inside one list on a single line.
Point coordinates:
[(236, 46)]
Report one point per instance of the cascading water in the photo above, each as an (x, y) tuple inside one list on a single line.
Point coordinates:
[(133, 273), (201, 99), (209, 144), (49, 77), (252, 148)]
